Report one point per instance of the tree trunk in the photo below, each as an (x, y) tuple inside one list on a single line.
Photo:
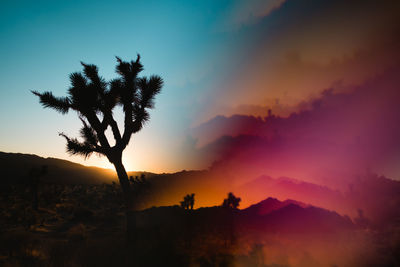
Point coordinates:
[(126, 190), (124, 181)]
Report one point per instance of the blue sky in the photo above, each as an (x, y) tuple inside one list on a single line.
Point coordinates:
[(44, 41)]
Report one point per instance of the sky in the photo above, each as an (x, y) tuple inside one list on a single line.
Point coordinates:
[(216, 57), (44, 41)]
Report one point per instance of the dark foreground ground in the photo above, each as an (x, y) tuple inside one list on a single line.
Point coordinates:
[(84, 225)]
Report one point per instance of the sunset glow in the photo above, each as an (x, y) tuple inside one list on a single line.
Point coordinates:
[(200, 133)]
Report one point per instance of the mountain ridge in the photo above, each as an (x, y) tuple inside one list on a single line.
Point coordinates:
[(16, 167)]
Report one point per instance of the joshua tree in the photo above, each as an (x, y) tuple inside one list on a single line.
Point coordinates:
[(185, 203), (191, 200), (94, 99), (188, 202), (231, 202)]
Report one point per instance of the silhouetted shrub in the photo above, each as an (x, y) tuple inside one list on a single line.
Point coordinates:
[(231, 202)]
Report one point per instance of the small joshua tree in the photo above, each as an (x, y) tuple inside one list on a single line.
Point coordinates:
[(94, 99), (188, 202), (185, 203), (191, 200), (231, 202)]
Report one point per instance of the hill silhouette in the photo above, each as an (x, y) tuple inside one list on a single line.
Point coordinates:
[(306, 192), (271, 204), (167, 188), (15, 167), (275, 217)]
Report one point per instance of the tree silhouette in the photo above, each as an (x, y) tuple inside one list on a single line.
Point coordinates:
[(191, 200), (94, 99), (188, 202), (231, 202)]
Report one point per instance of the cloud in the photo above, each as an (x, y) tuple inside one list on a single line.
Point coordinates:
[(338, 135), (249, 12), (302, 48)]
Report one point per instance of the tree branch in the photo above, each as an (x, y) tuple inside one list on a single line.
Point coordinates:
[(96, 124), (74, 147), (48, 100)]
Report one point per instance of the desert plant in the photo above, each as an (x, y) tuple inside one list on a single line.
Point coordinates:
[(94, 99), (231, 201), (188, 202)]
